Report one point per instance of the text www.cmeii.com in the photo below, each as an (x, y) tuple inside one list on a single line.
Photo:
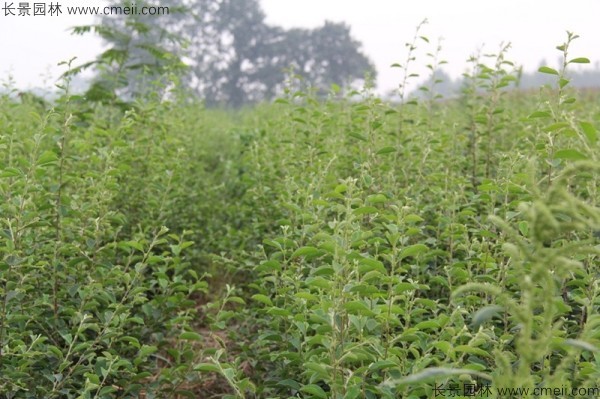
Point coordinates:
[(26, 9)]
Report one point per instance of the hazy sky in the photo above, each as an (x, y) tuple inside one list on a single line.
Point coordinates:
[(30, 47)]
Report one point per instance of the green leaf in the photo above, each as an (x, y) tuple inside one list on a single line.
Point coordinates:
[(365, 210), (263, 299), (556, 126), (383, 364), (134, 245), (540, 114), (579, 60), (131, 340), (55, 351), (299, 120), (569, 154), (93, 378), (369, 264), (412, 218), (403, 287), (548, 70), (341, 188), (324, 270), (471, 350), (318, 282), (229, 373), (236, 299), (428, 325), (272, 243), (290, 384), (190, 336), (47, 157), (307, 296), (137, 320), (524, 228), (359, 308), (207, 368), (147, 350), (305, 251), (11, 172), (275, 311), (377, 199), (444, 346), (314, 390), (590, 131), (320, 369), (386, 150), (107, 390), (357, 136), (413, 250), (269, 266)]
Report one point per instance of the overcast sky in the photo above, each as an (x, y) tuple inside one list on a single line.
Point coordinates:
[(30, 47)]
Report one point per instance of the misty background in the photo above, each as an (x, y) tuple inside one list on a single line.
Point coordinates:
[(240, 52)]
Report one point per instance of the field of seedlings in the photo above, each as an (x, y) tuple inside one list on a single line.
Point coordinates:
[(321, 246)]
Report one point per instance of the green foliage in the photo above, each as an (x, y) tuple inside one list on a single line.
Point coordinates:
[(143, 58), (316, 248), (382, 275), (89, 302), (483, 96)]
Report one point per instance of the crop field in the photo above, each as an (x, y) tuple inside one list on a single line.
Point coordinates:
[(320, 246)]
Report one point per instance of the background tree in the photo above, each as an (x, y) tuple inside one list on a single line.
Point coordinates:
[(142, 50), (238, 58), (227, 50), (234, 56)]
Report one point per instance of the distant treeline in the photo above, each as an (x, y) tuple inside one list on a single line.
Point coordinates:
[(448, 87)]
